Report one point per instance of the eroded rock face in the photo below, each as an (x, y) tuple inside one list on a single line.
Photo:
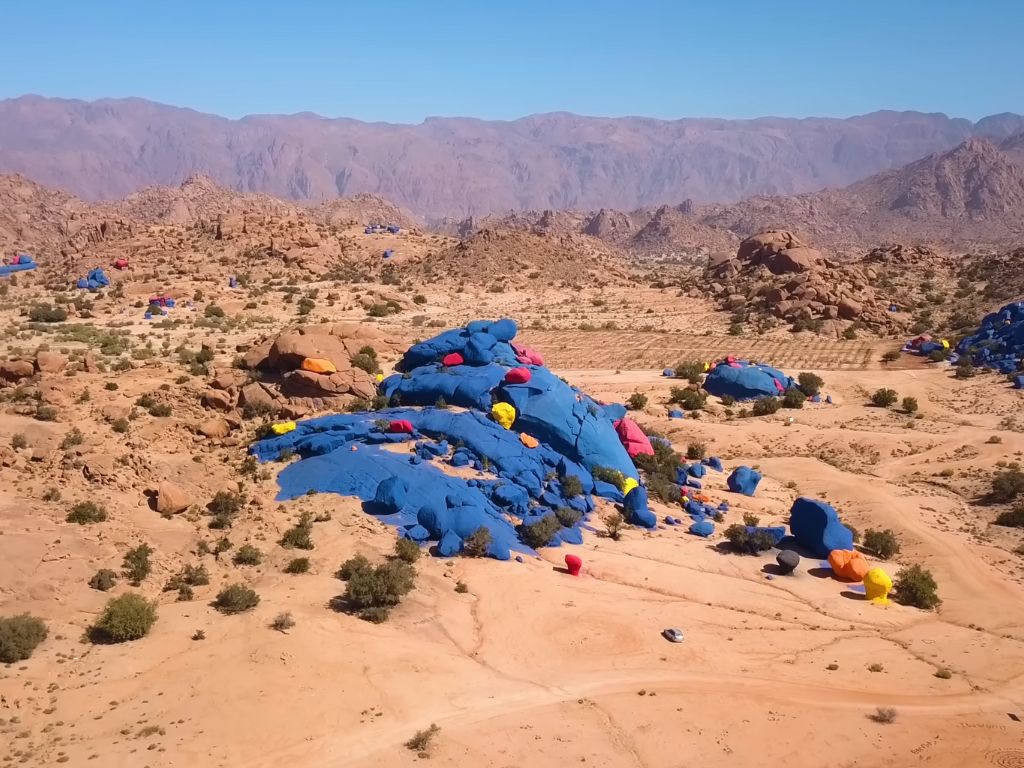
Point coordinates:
[(50, 362)]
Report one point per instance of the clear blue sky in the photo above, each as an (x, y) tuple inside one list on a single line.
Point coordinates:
[(401, 60)]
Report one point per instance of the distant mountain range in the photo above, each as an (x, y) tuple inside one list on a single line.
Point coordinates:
[(455, 167)]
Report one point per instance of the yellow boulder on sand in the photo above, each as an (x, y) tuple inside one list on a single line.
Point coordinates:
[(628, 485), (504, 414), (318, 365), (283, 428), (877, 585)]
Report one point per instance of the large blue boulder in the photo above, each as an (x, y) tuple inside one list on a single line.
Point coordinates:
[(702, 528), (697, 470), (391, 493), (816, 526), (449, 545), (637, 511), (744, 480), (746, 381)]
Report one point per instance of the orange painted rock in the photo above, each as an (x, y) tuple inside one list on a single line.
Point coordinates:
[(848, 564)]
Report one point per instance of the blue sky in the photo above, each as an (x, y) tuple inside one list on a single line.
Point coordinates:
[(401, 61)]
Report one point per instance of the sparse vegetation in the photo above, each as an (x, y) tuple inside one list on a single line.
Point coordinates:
[(610, 476), (916, 586), (86, 513), (909, 405), (19, 441), (810, 383), (297, 565), (236, 598), (372, 591), (299, 536), (884, 715), (884, 398), (247, 554), (539, 533), (407, 550), (696, 451), (1012, 518), (885, 544), (477, 543), (282, 622), (46, 313), (19, 637), (748, 542), (1007, 485), (127, 617), (613, 524), (637, 401), (691, 370), (891, 356), (421, 742), (794, 398), (572, 486), (103, 580), (224, 507), (688, 398), (764, 406), (136, 565)]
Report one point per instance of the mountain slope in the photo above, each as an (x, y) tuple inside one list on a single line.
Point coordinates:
[(459, 166)]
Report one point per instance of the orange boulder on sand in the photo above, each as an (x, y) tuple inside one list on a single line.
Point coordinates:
[(848, 564)]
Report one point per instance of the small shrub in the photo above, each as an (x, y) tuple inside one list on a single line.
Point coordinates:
[(127, 617), (282, 622), (691, 370), (160, 410), (728, 400), (875, 667), (419, 298), (236, 598), (794, 398), (461, 587), (120, 426), (909, 405), (247, 554), (749, 518), (46, 413), (212, 310), (354, 566), (572, 486), (538, 534), (610, 476), (51, 494), (764, 406), (372, 591), (884, 398), (614, 523), (637, 401), (810, 383), (477, 543), (19, 441), (696, 451), (882, 543), (185, 593), (689, 399), (19, 636), (891, 356), (938, 355), (103, 580), (567, 516), (366, 362), (45, 313), (224, 506), (421, 741), (72, 438), (916, 586), (748, 542), (136, 565), (407, 550), (199, 635), (297, 565), (86, 513), (299, 536), (943, 674), (884, 715), (1012, 518), (1007, 485), (965, 370)]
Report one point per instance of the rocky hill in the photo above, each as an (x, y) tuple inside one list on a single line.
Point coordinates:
[(457, 166)]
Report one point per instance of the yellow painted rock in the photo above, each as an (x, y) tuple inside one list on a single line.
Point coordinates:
[(629, 485), (877, 585), (504, 414), (283, 428), (379, 377)]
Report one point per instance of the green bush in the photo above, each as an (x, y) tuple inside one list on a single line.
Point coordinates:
[(610, 476), (748, 542), (571, 486), (690, 399), (46, 413), (212, 310), (691, 370), (916, 586), (247, 554), (965, 370), (45, 313), (120, 426), (891, 356), (19, 636), (1012, 518), (297, 565), (160, 410), (764, 406), (236, 598), (371, 592), (407, 550), (884, 398), (567, 516), (538, 534), (637, 401), (103, 580), (419, 298), (300, 535), (127, 617), (728, 400), (366, 362), (136, 565), (86, 512), (1007, 485), (476, 543), (614, 523), (352, 566), (810, 383), (910, 404), (882, 543), (794, 398), (188, 576), (938, 355), (72, 438), (224, 507), (696, 451)]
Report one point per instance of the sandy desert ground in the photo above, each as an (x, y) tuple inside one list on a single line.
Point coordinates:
[(528, 666)]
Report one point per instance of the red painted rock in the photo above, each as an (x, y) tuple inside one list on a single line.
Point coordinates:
[(573, 564), (518, 376), (400, 426), (453, 359)]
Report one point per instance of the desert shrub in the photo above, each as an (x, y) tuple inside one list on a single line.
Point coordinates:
[(965, 370), (943, 674), (690, 399), (1012, 518), (297, 565), (72, 438), (224, 506), (728, 400), (353, 566), (572, 486), (614, 524), (247, 554), (188, 576), (212, 310), (810, 383), (610, 476), (103, 580), (407, 550), (378, 310), (127, 617), (910, 404), (1007, 485), (891, 356), (146, 401), (884, 715), (46, 413), (884, 398), (86, 512), (749, 518), (419, 298), (366, 362), (19, 441), (45, 313), (305, 305), (567, 516), (748, 542), (766, 405), (299, 536), (160, 410), (637, 401), (421, 741), (938, 355), (882, 543), (282, 622), (853, 532), (538, 534), (120, 426), (236, 598), (696, 451), (371, 592), (916, 586), (461, 587), (19, 636), (136, 565), (477, 543), (794, 398), (691, 370)]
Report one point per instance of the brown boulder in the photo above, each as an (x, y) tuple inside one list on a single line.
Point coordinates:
[(50, 362), (775, 295), (363, 384), (793, 260), (258, 396), (215, 427), (89, 364), (217, 400), (735, 301), (114, 412), (759, 247), (290, 349), (228, 378), (15, 370), (171, 499), (850, 309), (308, 384), (99, 467), (257, 357)]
